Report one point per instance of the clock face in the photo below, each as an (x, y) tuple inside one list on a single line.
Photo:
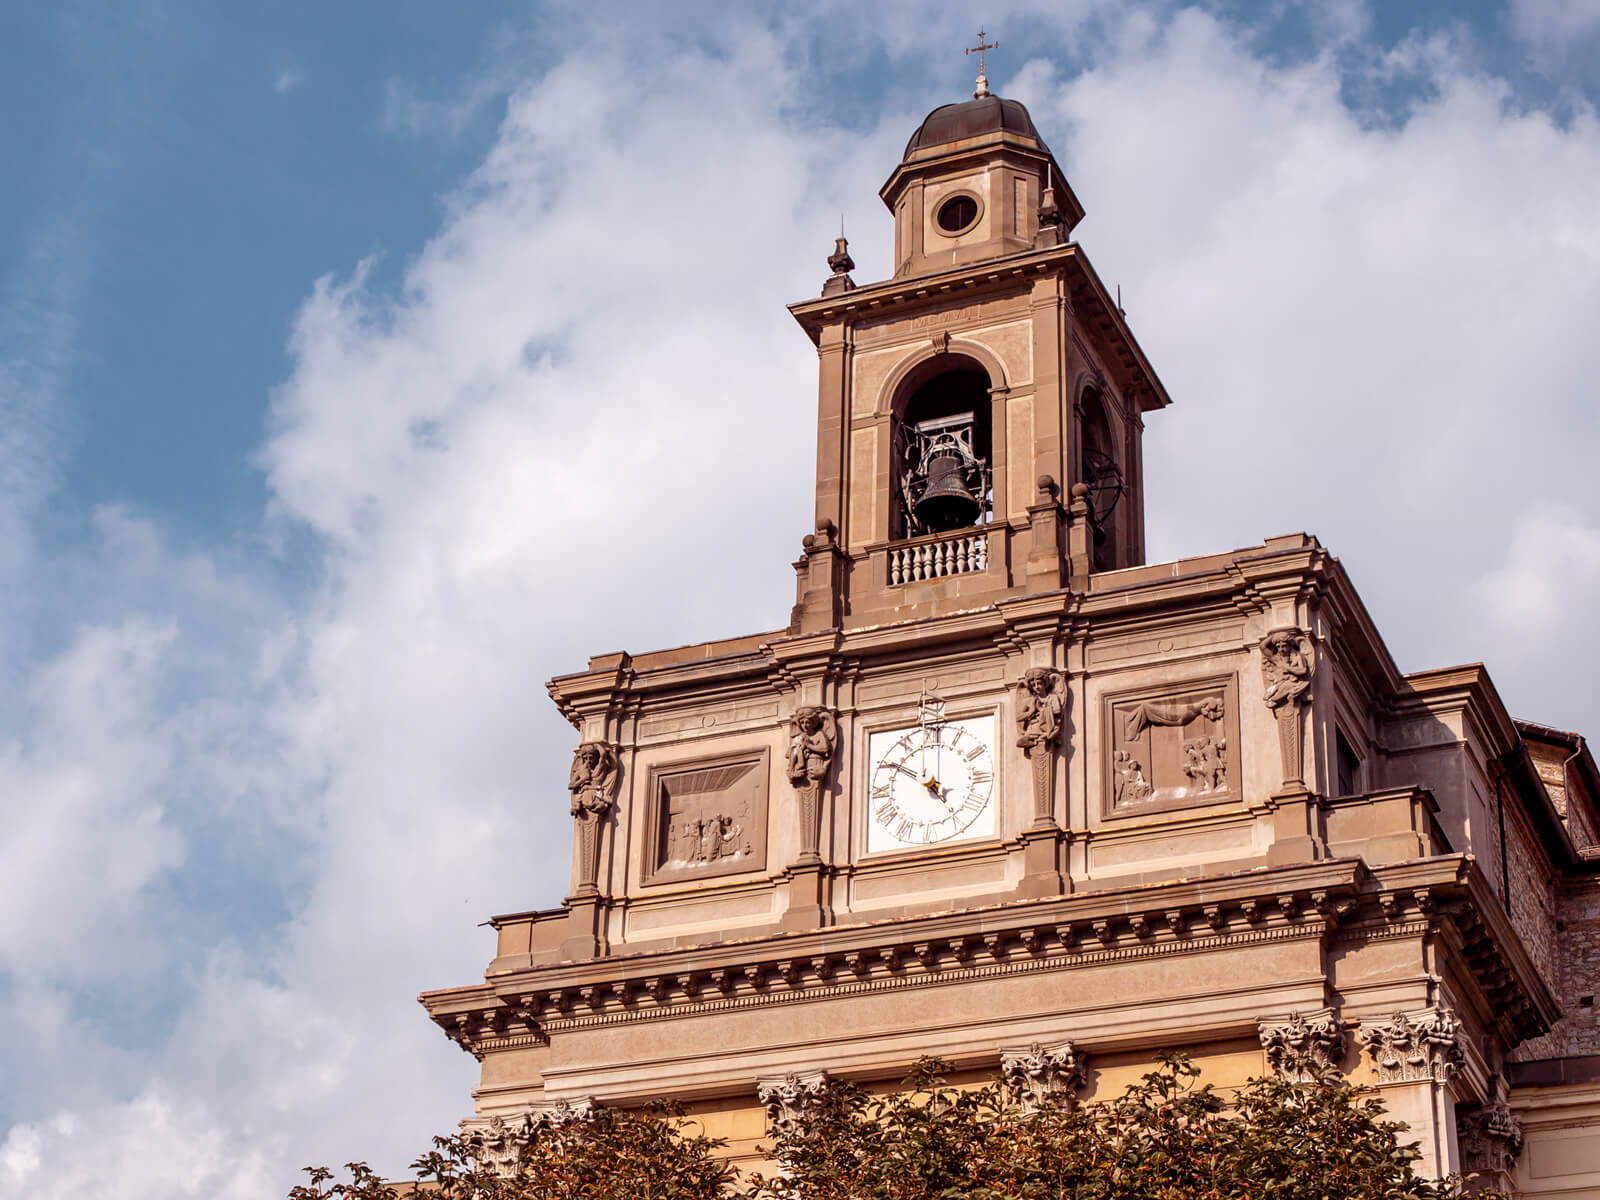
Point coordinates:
[(931, 783)]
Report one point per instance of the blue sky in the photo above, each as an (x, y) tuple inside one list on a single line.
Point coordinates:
[(363, 366)]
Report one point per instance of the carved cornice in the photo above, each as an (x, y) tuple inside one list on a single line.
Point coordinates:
[(526, 1006)]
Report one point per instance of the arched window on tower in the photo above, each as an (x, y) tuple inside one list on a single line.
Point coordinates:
[(1098, 467), (943, 470)]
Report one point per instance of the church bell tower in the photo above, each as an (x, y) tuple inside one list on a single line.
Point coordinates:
[(981, 412)]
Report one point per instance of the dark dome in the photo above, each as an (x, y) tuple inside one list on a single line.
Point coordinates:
[(953, 122)]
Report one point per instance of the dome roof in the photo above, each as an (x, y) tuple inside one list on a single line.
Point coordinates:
[(987, 114)]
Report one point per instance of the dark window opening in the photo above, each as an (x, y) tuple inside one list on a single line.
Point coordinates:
[(1348, 766), (1098, 469), (956, 213), (943, 478)]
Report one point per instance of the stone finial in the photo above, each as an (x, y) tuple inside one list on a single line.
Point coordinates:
[(1415, 1046), (1299, 1042), (786, 1097), (841, 264), (1038, 1076)]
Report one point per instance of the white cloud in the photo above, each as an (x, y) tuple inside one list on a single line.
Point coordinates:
[(582, 421), (288, 80), (1552, 25)]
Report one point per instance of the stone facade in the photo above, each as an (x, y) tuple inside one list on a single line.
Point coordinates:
[(1001, 791)]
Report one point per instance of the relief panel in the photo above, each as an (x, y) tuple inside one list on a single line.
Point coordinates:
[(706, 817), (1172, 747)]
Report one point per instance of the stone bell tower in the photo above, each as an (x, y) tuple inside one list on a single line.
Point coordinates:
[(974, 403), (1002, 792)]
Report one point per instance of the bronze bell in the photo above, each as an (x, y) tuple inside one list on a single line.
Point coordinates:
[(947, 502)]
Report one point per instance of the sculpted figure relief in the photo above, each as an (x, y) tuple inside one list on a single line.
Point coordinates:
[(1287, 660), (592, 778), (1131, 785), (1041, 699), (813, 735), (1205, 764)]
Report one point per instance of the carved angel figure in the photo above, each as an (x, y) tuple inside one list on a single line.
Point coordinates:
[(1287, 661), (1041, 698), (813, 733), (593, 776)]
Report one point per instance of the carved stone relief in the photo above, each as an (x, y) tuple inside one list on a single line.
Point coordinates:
[(1491, 1142), (1301, 1041), (1171, 748), (707, 817), (1415, 1046), (1038, 1076), (592, 783), (813, 736), (1041, 700), (786, 1097), (1288, 661)]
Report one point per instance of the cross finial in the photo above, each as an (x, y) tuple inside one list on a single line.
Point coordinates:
[(982, 88)]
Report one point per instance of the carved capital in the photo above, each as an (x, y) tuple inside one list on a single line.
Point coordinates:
[(786, 1097), (1415, 1046), (813, 737), (498, 1142), (1038, 1076), (1295, 1045), (1491, 1141)]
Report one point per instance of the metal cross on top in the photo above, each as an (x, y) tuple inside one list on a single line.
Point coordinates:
[(983, 75)]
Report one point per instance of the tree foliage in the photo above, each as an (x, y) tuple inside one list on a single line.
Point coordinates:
[(1167, 1137)]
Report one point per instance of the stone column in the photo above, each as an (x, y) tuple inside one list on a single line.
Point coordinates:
[(1415, 1055), (592, 783), (1040, 700), (813, 738), (1288, 661)]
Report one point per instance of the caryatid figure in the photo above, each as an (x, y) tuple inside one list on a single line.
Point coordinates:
[(1041, 701), (813, 736), (592, 783)]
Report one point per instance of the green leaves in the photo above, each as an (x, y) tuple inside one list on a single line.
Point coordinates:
[(1167, 1137)]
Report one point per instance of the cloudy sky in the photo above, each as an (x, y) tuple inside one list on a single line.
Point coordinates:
[(364, 365)]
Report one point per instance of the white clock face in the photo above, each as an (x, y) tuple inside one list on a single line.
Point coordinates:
[(931, 783)]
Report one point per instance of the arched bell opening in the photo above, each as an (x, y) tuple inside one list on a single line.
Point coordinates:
[(1099, 467), (943, 464)]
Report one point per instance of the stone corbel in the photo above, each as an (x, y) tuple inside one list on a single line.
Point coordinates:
[(1039, 1075), (1296, 1045), (786, 1097), (1409, 1047)]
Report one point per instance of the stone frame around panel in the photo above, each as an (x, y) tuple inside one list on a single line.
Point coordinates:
[(739, 850), (1199, 766)]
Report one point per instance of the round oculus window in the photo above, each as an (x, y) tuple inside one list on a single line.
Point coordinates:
[(958, 214)]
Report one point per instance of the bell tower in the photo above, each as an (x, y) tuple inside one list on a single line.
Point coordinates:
[(980, 412)]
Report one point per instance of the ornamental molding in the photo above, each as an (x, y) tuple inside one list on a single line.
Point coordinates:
[(1039, 1076), (786, 1097), (1295, 1046), (1409, 1047)]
